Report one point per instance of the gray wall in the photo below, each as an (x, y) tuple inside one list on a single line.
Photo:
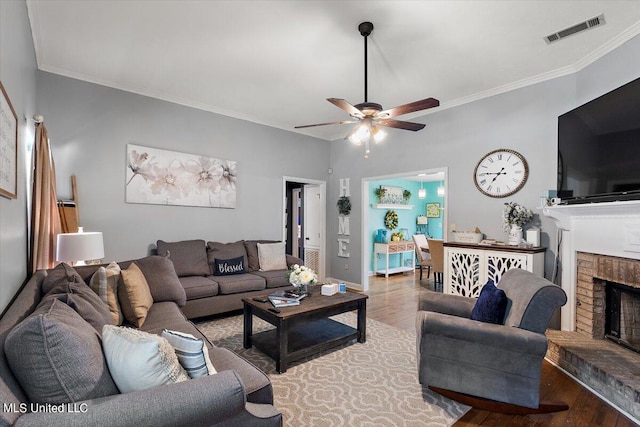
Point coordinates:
[(524, 120), (18, 76), (90, 125)]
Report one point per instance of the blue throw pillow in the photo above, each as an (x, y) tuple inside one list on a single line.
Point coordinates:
[(491, 305), (226, 267)]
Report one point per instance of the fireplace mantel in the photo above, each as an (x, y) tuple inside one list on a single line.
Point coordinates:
[(608, 228)]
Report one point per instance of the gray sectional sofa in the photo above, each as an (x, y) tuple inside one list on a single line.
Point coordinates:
[(238, 395), (208, 293)]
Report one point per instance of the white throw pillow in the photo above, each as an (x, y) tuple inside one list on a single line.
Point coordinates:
[(192, 353), (139, 360), (272, 256)]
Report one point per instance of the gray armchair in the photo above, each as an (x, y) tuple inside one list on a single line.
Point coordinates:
[(501, 363)]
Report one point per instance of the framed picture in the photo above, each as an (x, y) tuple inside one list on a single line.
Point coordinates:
[(8, 147), (393, 194), (433, 210), (164, 177)]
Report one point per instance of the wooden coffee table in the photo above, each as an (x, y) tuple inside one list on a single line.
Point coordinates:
[(306, 329)]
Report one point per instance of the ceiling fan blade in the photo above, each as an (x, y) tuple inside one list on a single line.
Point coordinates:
[(341, 103), (342, 122), (399, 124), (423, 104)]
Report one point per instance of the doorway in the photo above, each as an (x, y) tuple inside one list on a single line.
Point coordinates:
[(439, 175), (304, 221)]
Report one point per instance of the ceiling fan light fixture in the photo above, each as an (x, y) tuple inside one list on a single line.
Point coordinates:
[(362, 132), (378, 134)]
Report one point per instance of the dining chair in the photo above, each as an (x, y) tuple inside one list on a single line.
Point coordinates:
[(424, 258), (436, 249)]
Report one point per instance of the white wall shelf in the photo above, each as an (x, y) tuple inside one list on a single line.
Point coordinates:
[(391, 206)]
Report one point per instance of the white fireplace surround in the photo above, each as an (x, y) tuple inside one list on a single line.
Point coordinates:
[(610, 228)]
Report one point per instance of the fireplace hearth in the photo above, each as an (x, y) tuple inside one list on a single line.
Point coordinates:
[(607, 326), (622, 315)]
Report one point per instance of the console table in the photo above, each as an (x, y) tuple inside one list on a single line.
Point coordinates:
[(467, 267), (401, 247)]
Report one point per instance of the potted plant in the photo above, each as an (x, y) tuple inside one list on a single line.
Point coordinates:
[(514, 217), (406, 195), (380, 193)]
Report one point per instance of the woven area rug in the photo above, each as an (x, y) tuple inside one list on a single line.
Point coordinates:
[(373, 384)]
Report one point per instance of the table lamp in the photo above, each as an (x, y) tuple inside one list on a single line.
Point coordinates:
[(79, 247)]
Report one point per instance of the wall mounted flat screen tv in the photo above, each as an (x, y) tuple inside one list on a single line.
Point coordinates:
[(599, 148)]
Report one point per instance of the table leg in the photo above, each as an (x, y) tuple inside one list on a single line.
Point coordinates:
[(362, 321), (282, 330), (248, 326), (386, 267)]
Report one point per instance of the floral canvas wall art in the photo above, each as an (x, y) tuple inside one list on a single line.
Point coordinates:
[(164, 177)]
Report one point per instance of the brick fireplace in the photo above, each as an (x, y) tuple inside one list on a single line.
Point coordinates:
[(601, 243)]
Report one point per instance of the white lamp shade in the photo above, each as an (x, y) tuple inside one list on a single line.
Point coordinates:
[(422, 193), (80, 246)]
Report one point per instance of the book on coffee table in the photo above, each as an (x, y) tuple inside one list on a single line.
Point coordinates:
[(283, 302), (287, 295)]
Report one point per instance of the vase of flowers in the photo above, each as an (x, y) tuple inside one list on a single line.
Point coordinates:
[(302, 277), (514, 217)]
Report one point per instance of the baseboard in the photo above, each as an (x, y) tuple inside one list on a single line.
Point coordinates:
[(350, 285)]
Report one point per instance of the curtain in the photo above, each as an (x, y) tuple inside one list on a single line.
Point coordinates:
[(45, 220)]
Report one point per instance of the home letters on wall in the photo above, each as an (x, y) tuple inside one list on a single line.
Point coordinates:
[(165, 177), (343, 222)]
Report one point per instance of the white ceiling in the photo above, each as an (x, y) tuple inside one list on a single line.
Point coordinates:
[(275, 62)]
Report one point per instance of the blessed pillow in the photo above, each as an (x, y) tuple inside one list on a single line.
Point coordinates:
[(139, 360), (134, 295), (226, 267), (104, 282), (217, 250), (192, 353), (56, 356), (491, 305), (272, 256)]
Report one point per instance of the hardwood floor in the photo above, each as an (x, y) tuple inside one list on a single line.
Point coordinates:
[(394, 301)]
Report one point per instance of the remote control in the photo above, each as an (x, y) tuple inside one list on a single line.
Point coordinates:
[(275, 310), (258, 299)]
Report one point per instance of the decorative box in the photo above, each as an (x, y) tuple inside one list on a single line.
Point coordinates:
[(467, 237), (329, 289)]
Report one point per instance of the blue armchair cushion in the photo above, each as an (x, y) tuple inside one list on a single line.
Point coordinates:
[(491, 305)]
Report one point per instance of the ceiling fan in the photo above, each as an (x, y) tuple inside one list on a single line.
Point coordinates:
[(369, 115)]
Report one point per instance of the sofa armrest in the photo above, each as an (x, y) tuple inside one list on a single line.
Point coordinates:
[(200, 401), (438, 302), (291, 260), (480, 333)]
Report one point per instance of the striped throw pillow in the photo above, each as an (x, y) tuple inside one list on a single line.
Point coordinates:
[(192, 353)]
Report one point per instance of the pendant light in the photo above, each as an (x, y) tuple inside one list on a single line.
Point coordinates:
[(422, 193)]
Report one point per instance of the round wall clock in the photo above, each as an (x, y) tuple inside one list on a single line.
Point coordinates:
[(501, 173)]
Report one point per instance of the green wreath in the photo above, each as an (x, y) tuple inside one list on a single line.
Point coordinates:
[(344, 205), (391, 220)]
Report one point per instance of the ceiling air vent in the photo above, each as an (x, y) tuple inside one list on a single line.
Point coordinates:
[(578, 28)]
